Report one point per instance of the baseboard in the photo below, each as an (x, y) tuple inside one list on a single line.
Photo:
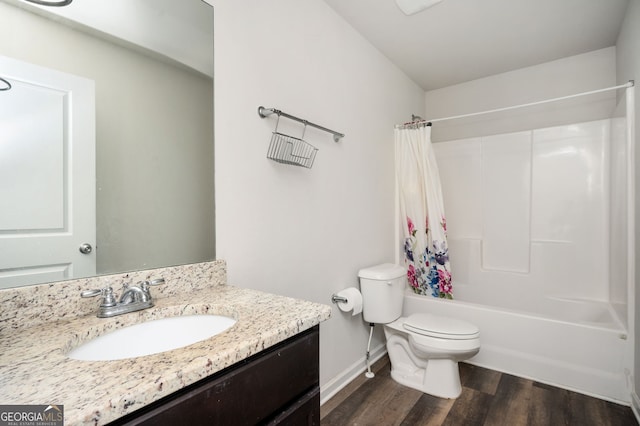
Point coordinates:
[(635, 405), (347, 376)]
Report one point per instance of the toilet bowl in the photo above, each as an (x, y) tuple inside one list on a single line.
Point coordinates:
[(424, 349)]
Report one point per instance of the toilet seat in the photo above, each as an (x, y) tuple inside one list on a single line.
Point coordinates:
[(441, 327)]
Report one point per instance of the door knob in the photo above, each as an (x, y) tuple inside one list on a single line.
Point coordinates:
[(85, 248)]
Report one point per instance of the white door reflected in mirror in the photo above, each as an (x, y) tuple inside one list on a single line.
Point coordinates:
[(47, 175)]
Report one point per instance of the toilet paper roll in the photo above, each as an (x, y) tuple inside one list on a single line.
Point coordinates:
[(354, 300)]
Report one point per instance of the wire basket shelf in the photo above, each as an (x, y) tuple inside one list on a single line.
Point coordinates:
[(287, 149), (290, 150)]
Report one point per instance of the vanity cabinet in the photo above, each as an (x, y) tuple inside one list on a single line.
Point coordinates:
[(279, 385)]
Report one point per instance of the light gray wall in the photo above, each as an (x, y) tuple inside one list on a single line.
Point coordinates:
[(628, 68), (154, 143), (293, 231), (567, 76)]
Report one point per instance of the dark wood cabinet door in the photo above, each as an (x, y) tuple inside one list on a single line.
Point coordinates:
[(277, 386)]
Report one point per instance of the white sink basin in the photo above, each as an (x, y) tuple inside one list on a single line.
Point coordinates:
[(151, 337)]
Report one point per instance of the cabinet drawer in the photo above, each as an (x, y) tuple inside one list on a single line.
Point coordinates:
[(246, 393), (303, 412)]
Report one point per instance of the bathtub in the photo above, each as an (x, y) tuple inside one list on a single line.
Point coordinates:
[(578, 345)]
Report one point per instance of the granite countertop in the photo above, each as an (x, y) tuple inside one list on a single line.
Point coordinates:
[(34, 368)]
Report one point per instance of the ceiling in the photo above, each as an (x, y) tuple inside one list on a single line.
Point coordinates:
[(462, 40)]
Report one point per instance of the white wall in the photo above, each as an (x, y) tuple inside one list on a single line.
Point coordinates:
[(628, 68), (567, 76), (289, 230)]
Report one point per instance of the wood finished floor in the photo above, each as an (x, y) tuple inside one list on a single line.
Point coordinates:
[(488, 398)]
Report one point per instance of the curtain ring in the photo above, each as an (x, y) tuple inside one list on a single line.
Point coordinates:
[(7, 85)]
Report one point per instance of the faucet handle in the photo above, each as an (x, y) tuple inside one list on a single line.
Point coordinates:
[(108, 299), (90, 293), (157, 281), (148, 283)]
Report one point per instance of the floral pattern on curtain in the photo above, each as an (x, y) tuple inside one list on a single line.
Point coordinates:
[(426, 252)]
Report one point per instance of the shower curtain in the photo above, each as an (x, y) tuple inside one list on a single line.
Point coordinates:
[(426, 252)]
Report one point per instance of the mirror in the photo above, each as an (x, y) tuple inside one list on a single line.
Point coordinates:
[(151, 62)]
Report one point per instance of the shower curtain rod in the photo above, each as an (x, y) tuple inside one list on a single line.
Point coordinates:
[(630, 83)]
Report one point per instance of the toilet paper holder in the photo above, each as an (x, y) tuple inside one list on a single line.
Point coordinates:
[(338, 299), (348, 300)]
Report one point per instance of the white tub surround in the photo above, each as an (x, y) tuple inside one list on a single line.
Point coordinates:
[(536, 220), (568, 234), (38, 328)]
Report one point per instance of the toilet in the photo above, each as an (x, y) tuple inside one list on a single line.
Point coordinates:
[(424, 349)]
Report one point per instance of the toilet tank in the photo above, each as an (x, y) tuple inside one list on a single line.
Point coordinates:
[(382, 287)]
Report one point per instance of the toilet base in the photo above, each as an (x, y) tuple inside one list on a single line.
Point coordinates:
[(434, 372), (440, 378)]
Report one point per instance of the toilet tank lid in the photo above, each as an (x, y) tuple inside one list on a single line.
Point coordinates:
[(385, 271)]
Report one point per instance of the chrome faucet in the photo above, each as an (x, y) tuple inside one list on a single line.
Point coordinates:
[(134, 294), (133, 298)]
